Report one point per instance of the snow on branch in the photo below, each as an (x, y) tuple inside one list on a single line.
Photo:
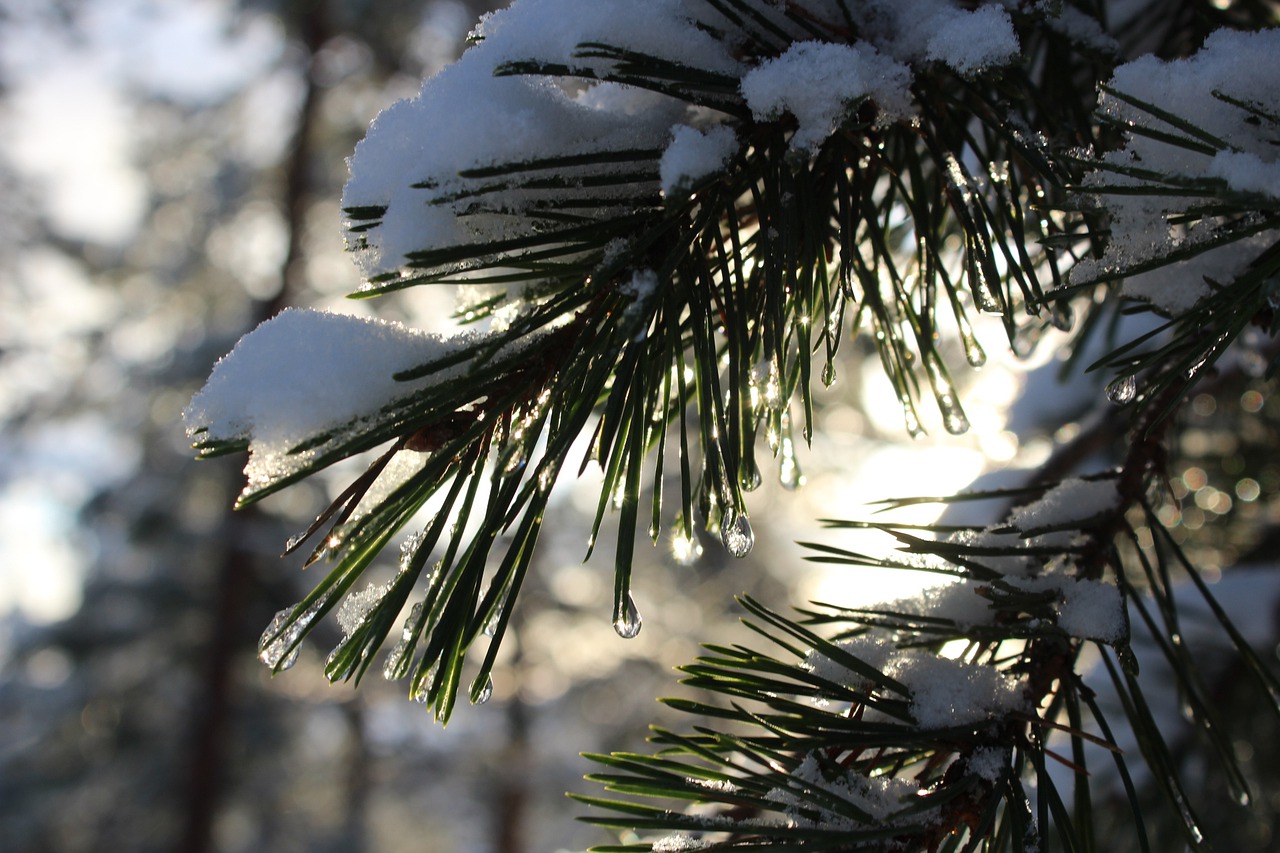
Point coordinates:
[(1197, 131), (305, 372)]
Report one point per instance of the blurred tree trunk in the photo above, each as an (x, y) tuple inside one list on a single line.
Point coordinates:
[(229, 633)]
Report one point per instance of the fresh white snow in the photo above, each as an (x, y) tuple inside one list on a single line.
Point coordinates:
[(694, 154), (304, 372), (817, 82), (1240, 65)]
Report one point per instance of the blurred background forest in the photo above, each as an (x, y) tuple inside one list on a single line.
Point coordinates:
[(169, 177)]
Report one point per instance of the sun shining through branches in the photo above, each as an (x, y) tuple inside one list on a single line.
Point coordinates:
[(671, 222)]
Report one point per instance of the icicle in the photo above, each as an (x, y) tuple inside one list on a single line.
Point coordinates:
[(736, 533), (1122, 389), (828, 374), (773, 388), (627, 621), (749, 474)]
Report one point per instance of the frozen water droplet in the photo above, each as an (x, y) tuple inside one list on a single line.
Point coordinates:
[(491, 626), (685, 550), (953, 417), (749, 475), (914, 429), (397, 665), (422, 688), (1243, 798), (627, 621), (484, 694), (789, 469), (736, 533), (828, 374), (974, 352), (279, 645), (1122, 389)]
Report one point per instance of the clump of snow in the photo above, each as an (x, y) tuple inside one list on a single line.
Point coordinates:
[(406, 193), (1080, 27), (988, 762), (946, 692), (1246, 172), (693, 154), (915, 31), (882, 798), (304, 372), (1086, 609), (971, 41), (1071, 501), (551, 30), (1093, 610), (358, 605), (679, 842), (943, 692), (465, 117), (818, 83), (1239, 65)]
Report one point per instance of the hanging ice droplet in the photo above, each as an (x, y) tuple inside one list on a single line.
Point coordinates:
[(974, 352), (397, 665), (484, 694), (1122, 389), (736, 533), (685, 550), (828, 374), (627, 621), (789, 468), (749, 475), (491, 625), (279, 645), (953, 416), (421, 691), (914, 429)]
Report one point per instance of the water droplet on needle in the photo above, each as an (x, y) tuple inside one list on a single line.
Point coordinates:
[(627, 621)]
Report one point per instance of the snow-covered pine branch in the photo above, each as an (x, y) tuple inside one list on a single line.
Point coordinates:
[(663, 217)]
